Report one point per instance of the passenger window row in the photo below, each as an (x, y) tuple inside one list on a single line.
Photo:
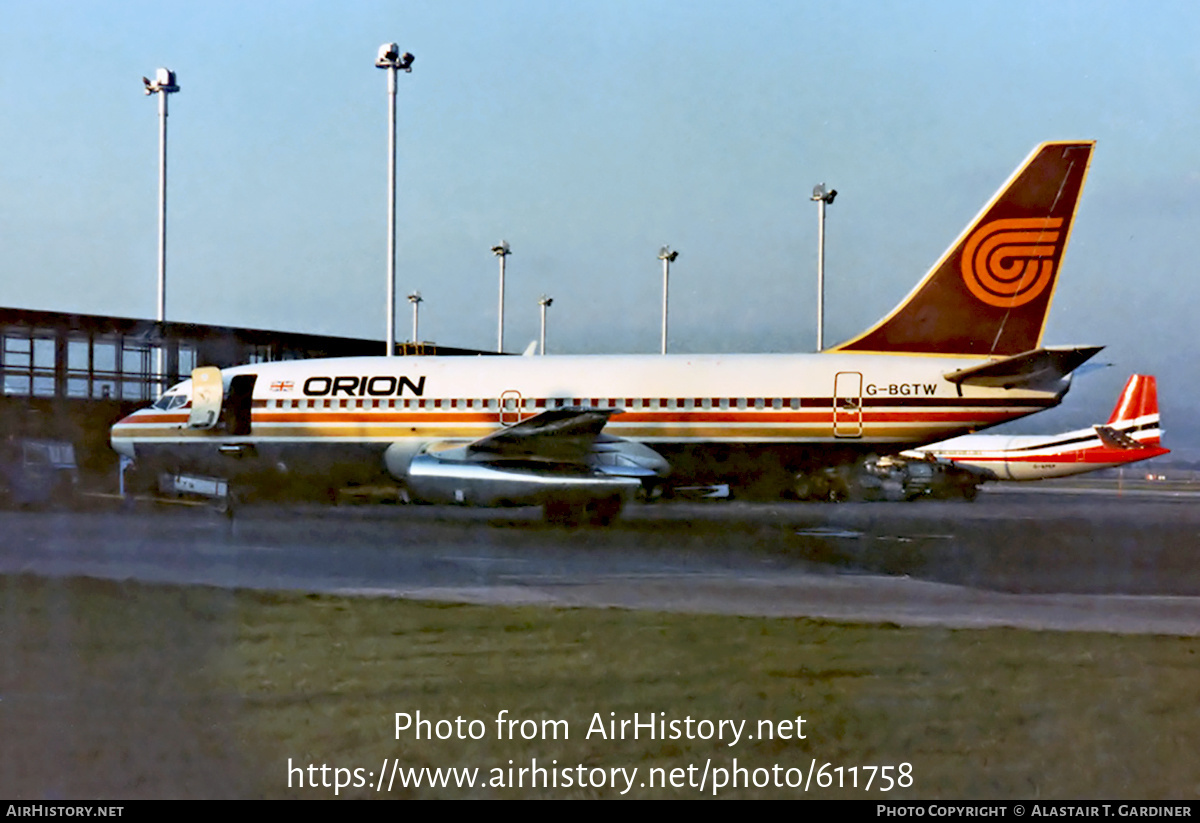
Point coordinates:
[(528, 403)]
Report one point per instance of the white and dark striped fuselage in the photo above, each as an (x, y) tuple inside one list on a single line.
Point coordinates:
[(1034, 457)]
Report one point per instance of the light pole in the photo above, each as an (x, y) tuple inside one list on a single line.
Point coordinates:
[(415, 298), (822, 197), (389, 58), (544, 301), (162, 85), (502, 251), (667, 257)]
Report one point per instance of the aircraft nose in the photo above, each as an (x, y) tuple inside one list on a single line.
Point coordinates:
[(120, 437)]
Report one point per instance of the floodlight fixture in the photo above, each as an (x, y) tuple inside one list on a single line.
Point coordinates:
[(164, 82), (819, 193), (391, 58)]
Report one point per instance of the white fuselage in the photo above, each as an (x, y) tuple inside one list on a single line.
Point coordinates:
[(671, 402), (1034, 457)]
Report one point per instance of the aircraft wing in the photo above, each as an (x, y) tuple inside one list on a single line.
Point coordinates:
[(563, 435), (1026, 369)]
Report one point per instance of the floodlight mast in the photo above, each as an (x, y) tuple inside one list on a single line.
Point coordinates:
[(667, 257), (821, 196), (502, 251), (164, 83), (544, 302), (390, 59), (416, 299)]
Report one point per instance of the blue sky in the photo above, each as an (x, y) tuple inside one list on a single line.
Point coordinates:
[(588, 134)]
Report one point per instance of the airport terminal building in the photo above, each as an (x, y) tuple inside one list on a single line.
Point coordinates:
[(71, 376)]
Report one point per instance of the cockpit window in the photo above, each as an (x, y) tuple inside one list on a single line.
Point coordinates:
[(170, 401)]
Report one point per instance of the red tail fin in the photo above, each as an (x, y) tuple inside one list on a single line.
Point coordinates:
[(990, 292), (1139, 399)]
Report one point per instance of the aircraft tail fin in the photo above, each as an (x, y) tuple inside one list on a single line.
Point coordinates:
[(1137, 408), (990, 293)]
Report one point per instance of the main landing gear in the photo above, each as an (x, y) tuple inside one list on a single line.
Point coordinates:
[(596, 511)]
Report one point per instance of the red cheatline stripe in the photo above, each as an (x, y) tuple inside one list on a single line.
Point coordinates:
[(1087, 456), (700, 417)]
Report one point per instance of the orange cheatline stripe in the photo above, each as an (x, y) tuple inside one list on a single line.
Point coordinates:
[(693, 432), (693, 425), (951, 414), (954, 418)]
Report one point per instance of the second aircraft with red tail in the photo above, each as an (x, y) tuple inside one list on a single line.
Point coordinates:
[(1131, 434)]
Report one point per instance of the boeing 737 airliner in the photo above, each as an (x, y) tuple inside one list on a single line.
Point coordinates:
[(580, 434)]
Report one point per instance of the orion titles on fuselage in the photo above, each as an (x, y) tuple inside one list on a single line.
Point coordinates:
[(377, 385)]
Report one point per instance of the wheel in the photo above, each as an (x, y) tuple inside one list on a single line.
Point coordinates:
[(562, 513), (599, 511), (227, 503), (651, 493), (603, 511), (811, 487), (802, 487)]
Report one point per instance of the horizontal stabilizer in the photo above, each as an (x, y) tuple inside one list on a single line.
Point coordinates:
[(1028, 369), (1115, 439), (561, 435)]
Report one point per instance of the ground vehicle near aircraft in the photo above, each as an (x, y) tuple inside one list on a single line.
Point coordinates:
[(895, 478), (37, 472), (581, 434), (957, 467)]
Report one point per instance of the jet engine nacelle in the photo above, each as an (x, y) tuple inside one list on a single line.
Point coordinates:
[(619, 457), (449, 473), (438, 478)]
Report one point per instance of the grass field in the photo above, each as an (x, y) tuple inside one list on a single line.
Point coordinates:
[(131, 690)]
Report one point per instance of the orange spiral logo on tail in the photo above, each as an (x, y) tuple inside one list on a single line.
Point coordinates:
[(1007, 263)]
